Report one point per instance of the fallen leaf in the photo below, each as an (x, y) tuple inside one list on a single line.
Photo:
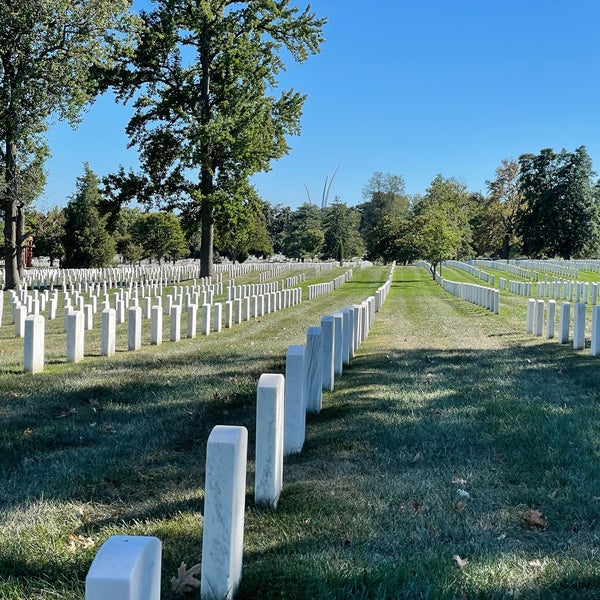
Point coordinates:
[(459, 481), (28, 432), (185, 580), (533, 519), (463, 493), (431, 529), (416, 458), (460, 563), (459, 506), (77, 542)]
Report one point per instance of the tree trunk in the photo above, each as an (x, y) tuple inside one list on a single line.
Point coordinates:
[(505, 253), (206, 240), (11, 238)]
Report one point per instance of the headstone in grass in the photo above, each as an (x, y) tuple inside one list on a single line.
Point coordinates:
[(313, 369), (563, 323), (206, 310), (75, 336), (338, 336), (33, 346), (328, 340), (192, 319), (538, 319), (347, 335), (579, 326), (550, 318), (109, 332), (134, 328), (175, 325), (217, 317), (595, 346), (530, 315), (156, 324), (224, 498), (268, 474), (20, 314), (295, 401), (125, 568)]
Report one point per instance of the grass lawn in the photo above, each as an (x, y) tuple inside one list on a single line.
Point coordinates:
[(451, 434)]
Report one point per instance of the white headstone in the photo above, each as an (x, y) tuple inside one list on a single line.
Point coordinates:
[(579, 326), (125, 568), (327, 332), (75, 337), (134, 328), (563, 323), (595, 346), (33, 346), (313, 371), (109, 332), (225, 493), (295, 401), (268, 478)]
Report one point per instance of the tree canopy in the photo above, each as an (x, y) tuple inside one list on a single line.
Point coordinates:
[(208, 114), (47, 51)]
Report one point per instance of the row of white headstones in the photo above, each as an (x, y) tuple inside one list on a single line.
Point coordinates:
[(243, 303), (534, 323), (129, 567), (480, 295)]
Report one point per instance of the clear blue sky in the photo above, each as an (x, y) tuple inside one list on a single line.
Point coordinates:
[(413, 88)]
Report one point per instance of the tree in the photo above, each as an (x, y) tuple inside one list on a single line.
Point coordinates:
[(86, 241), (505, 191), (245, 232), (442, 221), (304, 233), (160, 235), (49, 234), (342, 238), (47, 48), (208, 115), (397, 239), (561, 214), (277, 218), (384, 195)]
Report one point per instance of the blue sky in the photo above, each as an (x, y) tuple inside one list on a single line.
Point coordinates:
[(414, 88)]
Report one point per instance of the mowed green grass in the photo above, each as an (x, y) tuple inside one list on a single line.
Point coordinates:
[(449, 425)]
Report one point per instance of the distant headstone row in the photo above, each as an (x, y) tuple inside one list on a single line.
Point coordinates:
[(474, 271), (486, 297), (318, 289), (537, 310), (129, 567)]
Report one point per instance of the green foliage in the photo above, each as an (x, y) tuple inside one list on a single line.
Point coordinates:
[(209, 103), (49, 233), (384, 195), (506, 201), (342, 239), (86, 240), (159, 235), (244, 232), (304, 233), (561, 215), (47, 49), (442, 221), (277, 218)]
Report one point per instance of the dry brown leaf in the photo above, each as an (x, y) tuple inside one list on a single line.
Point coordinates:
[(185, 580), (460, 563), (533, 519), (77, 541), (459, 506), (28, 432)]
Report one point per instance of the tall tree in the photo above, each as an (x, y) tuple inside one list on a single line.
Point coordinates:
[(442, 221), (304, 233), (506, 202), (561, 214), (244, 232), (49, 234), (160, 235), (384, 195), (208, 115), (47, 48), (87, 242), (342, 239)]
